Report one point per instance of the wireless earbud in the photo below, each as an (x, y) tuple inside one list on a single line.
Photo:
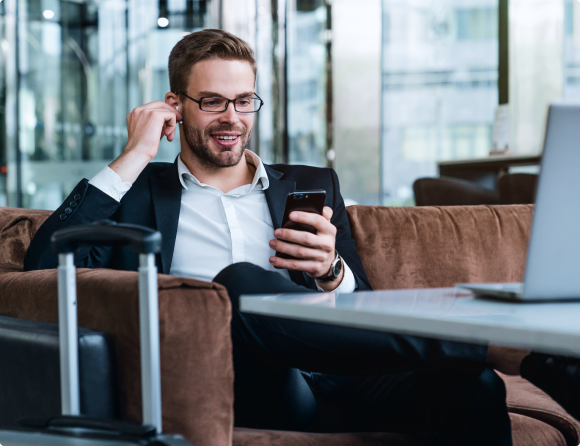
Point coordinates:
[(177, 108)]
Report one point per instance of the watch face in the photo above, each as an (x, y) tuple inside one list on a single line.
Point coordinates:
[(337, 268)]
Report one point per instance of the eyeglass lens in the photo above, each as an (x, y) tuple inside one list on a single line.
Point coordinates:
[(247, 105)]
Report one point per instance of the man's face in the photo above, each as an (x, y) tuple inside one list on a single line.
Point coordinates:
[(218, 139)]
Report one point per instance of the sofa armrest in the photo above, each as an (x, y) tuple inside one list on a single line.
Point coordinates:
[(196, 352), (524, 398)]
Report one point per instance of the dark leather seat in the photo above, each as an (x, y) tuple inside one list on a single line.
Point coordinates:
[(445, 191), (30, 372), (517, 188)]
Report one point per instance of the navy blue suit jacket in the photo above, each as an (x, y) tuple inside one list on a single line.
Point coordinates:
[(155, 201)]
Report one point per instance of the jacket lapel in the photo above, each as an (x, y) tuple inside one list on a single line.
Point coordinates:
[(276, 194), (166, 196), (276, 198)]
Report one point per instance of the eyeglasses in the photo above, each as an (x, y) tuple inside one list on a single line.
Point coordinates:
[(217, 104)]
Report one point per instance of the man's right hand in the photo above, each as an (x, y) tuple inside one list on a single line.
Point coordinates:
[(146, 126)]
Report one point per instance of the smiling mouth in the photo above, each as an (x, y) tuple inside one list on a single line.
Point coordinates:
[(226, 140)]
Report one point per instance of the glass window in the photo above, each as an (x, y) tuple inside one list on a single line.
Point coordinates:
[(82, 67), (439, 88), (4, 56), (306, 67), (266, 126), (571, 56), (356, 90), (536, 29), (476, 23)]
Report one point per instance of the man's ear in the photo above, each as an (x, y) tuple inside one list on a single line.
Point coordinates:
[(172, 99)]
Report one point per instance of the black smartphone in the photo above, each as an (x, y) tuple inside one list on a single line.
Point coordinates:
[(303, 201)]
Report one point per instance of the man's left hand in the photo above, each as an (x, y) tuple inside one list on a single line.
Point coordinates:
[(314, 252)]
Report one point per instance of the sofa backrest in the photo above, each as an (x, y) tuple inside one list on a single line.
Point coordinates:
[(432, 247), (17, 228), (410, 247)]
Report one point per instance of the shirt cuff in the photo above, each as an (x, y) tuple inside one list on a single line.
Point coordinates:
[(110, 183), (348, 284)]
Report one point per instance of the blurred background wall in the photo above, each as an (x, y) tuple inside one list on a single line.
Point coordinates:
[(380, 90)]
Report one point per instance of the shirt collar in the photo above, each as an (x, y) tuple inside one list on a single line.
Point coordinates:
[(251, 158)]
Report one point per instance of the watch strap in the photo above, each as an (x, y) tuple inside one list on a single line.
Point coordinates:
[(331, 276)]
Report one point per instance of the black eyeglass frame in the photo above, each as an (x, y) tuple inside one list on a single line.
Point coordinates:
[(220, 97)]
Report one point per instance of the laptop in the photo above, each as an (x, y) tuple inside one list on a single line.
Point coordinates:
[(553, 263)]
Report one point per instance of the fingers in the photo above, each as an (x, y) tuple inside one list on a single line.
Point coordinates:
[(315, 241), (170, 132), (327, 212), (146, 125), (153, 106), (160, 105), (169, 122), (308, 266), (299, 251), (320, 222), (153, 118), (150, 116), (169, 128), (314, 252)]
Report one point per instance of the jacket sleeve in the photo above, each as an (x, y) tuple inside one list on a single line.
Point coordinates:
[(85, 205), (345, 244)]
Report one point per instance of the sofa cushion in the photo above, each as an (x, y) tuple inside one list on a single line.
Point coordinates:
[(436, 247), (17, 228), (525, 432), (255, 437)]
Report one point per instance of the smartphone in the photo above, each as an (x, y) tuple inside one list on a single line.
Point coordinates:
[(303, 201)]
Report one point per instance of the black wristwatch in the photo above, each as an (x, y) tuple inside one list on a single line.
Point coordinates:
[(335, 270)]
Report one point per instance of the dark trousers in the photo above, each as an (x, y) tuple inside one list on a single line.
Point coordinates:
[(297, 375)]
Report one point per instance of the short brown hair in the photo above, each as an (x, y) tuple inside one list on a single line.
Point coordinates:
[(204, 45)]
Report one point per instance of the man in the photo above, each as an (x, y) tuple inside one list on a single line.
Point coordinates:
[(219, 209)]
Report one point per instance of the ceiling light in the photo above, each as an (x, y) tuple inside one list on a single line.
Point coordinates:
[(162, 22), (48, 14)]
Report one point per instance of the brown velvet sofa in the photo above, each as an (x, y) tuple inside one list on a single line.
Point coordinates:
[(400, 248)]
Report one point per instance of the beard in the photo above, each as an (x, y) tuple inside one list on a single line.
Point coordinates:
[(199, 140)]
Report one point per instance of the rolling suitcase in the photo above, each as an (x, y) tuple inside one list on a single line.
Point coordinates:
[(71, 428)]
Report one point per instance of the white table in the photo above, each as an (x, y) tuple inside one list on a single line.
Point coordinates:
[(445, 313)]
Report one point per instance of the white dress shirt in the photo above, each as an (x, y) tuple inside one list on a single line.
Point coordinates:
[(217, 229)]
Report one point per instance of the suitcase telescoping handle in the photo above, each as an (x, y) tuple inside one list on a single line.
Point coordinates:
[(144, 241)]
